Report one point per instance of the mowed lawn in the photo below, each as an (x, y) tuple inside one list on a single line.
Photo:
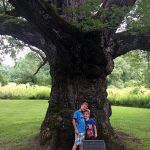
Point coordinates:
[(134, 121), (20, 121)]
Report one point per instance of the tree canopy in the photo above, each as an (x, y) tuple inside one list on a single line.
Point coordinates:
[(79, 41), (17, 21)]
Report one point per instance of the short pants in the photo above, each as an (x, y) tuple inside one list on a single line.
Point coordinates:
[(79, 138)]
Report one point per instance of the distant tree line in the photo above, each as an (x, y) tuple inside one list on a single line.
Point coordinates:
[(24, 71), (131, 69)]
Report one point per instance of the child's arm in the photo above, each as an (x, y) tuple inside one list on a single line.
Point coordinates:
[(75, 126), (95, 131)]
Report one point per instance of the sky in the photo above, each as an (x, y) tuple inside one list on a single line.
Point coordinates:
[(8, 61)]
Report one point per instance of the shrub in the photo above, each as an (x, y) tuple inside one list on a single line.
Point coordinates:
[(134, 97), (21, 91)]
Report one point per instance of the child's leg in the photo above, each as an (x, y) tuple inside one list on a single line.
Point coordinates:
[(74, 147)]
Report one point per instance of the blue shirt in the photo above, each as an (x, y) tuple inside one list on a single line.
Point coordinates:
[(90, 122), (79, 117)]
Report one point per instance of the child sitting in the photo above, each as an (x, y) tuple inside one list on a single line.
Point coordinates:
[(91, 130)]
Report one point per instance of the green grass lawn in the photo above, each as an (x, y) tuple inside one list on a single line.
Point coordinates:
[(135, 121), (20, 122)]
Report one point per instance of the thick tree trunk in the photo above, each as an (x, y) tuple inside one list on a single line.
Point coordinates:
[(79, 67), (81, 77)]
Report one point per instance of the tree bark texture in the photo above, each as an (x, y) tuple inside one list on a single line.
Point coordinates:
[(80, 63), (81, 78)]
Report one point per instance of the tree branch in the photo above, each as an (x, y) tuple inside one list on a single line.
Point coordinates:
[(128, 41), (21, 30), (13, 13), (4, 6), (39, 52), (110, 12), (42, 64), (120, 3), (27, 33), (45, 18)]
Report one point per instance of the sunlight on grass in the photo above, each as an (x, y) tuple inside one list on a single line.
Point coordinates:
[(20, 121), (22, 91), (135, 121), (134, 97)]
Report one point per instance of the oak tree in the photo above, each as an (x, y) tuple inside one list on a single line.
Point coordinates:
[(80, 59)]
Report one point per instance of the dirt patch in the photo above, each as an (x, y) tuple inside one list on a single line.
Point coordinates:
[(35, 145), (130, 142)]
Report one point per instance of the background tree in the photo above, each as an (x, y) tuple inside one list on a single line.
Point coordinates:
[(130, 70), (4, 75), (22, 73), (80, 60)]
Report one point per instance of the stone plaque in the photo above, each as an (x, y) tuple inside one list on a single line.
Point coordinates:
[(94, 145)]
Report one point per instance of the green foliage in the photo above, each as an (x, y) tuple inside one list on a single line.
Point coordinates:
[(147, 79), (1, 7), (140, 20), (147, 72), (9, 46), (4, 5), (135, 122), (89, 24), (23, 71), (82, 16), (18, 129), (3, 75), (121, 67), (20, 122), (116, 14), (22, 91), (130, 70), (1, 10), (43, 77), (25, 68), (133, 97)]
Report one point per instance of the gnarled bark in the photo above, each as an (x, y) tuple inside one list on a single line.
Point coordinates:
[(128, 41), (79, 63), (81, 78), (66, 96), (21, 30)]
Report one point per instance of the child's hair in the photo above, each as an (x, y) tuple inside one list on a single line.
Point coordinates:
[(87, 111), (85, 103)]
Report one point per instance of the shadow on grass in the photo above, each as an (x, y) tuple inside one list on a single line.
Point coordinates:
[(130, 142)]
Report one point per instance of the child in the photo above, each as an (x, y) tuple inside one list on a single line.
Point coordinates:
[(79, 125), (91, 130)]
